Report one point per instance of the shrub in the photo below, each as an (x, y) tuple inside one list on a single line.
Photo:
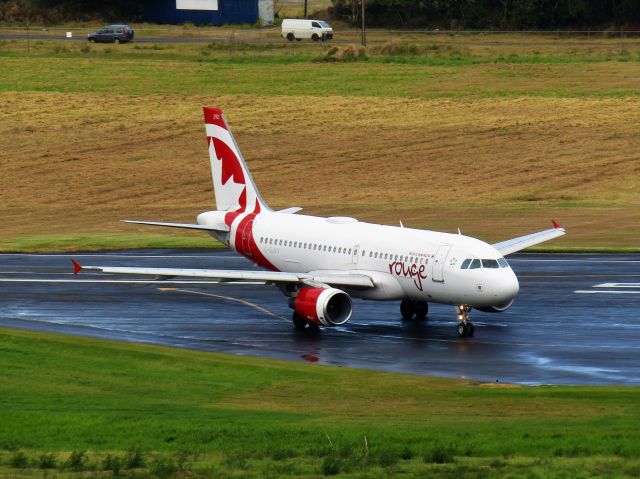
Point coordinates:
[(331, 466), (387, 458), (134, 459), (348, 53), (163, 468), (113, 464), (47, 461), (440, 454), (399, 47), (77, 460), (19, 460)]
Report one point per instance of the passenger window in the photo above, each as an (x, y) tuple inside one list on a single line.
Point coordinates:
[(475, 264), (466, 263), (334, 249), (315, 24)]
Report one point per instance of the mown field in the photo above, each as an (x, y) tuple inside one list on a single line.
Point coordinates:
[(75, 407), (496, 139)]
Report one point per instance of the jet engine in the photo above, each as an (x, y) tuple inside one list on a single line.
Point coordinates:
[(498, 308), (325, 307)]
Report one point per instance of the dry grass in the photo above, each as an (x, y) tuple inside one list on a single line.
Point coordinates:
[(494, 167)]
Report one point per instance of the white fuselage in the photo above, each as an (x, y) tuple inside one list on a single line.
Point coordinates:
[(403, 262)]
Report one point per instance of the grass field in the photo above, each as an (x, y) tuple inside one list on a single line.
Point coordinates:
[(494, 139), (192, 414)]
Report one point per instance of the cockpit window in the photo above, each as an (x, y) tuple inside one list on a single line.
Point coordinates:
[(503, 263), (475, 264), (490, 263), (465, 263)]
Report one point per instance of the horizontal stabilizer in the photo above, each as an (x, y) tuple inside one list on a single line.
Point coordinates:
[(290, 211), (522, 242), (221, 228)]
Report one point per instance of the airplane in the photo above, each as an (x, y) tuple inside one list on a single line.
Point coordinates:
[(320, 263)]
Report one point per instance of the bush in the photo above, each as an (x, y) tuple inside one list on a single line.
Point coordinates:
[(47, 461), (387, 458), (163, 468), (331, 466), (440, 455), (19, 460), (134, 459), (77, 460), (113, 464), (348, 53), (399, 47)]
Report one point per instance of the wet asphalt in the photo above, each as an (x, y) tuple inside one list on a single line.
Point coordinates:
[(575, 321)]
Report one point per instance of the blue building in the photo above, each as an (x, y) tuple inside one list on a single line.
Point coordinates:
[(209, 12)]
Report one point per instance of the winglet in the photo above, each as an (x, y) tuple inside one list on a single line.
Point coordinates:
[(555, 224), (76, 267)]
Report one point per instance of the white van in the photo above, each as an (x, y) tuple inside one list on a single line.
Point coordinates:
[(294, 29)]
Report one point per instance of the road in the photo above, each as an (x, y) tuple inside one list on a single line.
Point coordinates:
[(575, 321)]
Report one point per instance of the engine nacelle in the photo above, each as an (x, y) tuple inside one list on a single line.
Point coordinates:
[(498, 308), (326, 307)]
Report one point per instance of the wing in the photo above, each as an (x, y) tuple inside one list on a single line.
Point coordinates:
[(314, 279), (522, 242), (220, 228)]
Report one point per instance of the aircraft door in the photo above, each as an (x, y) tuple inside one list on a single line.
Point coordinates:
[(354, 256), (246, 239), (437, 267)]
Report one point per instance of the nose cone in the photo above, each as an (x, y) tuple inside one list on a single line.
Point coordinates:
[(508, 286)]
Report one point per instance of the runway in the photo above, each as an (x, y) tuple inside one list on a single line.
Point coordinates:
[(576, 320)]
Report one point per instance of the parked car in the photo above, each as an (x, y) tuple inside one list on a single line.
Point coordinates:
[(109, 35), (316, 30)]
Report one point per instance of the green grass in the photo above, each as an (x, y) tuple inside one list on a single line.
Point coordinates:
[(219, 415), (282, 69), (102, 241)]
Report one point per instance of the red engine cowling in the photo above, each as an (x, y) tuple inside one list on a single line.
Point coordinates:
[(498, 308), (325, 307)]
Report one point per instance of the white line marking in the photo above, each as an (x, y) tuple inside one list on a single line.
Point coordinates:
[(605, 292), (123, 281), (617, 285)]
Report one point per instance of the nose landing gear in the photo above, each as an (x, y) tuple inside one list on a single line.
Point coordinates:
[(465, 327)]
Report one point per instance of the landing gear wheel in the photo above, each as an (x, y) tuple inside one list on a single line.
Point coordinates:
[(298, 321), (291, 37), (407, 309), (462, 330), (465, 330), (315, 37), (421, 309), (470, 330)]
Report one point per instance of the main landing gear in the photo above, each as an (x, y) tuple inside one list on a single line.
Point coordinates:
[(300, 323), (413, 309), (465, 327)]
